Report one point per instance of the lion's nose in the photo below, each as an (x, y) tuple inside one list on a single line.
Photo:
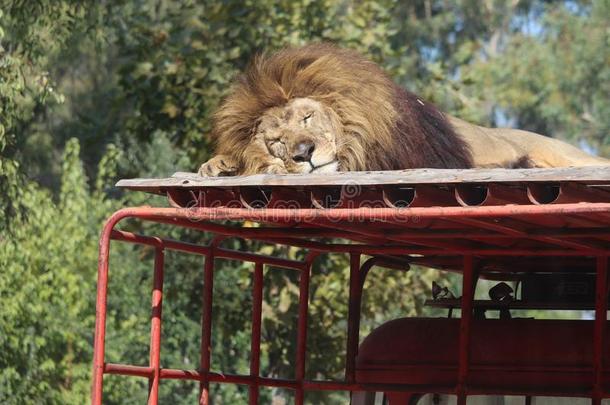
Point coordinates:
[(303, 151)]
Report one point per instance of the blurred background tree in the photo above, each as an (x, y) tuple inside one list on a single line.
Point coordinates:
[(94, 91)]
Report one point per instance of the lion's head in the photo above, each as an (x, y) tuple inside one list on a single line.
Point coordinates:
[(320, 108), (300, 137)]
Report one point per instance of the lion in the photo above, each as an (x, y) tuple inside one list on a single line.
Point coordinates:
[(322, 109)]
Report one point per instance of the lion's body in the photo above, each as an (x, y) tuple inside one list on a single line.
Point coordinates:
[(512, 148), (324, 108)]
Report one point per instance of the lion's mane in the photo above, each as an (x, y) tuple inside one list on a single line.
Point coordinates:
[(384, 127)]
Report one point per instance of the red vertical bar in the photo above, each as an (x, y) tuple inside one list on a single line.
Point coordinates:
[(155, 328), (353, 317), (468, 287), (599, 331), (100, 313), (206, 327), (302, 330), (255, 341)]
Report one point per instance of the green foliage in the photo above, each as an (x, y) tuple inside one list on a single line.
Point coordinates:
[(557, 82), (47, 275), (94, 91)]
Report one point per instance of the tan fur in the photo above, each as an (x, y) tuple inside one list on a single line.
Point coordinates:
[(355, 118), (503, 147)]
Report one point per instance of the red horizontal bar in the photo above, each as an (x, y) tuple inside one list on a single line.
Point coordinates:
[(585, 393), (113, 368), (313, 385), (227, 378), (317, 385), (205, 250), (336, 247), (274, 237), (160, 214), (466, 233), (124, 369), (382, 214)]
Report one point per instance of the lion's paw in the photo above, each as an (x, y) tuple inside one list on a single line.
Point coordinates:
[(276, 166), (221, 165)]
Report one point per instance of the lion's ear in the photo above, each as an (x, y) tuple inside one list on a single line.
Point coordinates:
[(219, 165)]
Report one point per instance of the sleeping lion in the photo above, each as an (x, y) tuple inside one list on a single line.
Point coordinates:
[(322, 109)]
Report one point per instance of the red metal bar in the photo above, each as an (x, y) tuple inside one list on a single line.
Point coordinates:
[(302, 329), (196, 375), (380, 248), (223, 378), (449, 233), (520, 233), (186, 247), (155, 328), (468, 287), (273, 237), (372, 249), (318, 385), (355, 214), (206, 326), (181, 217), (124, 369), (100, 307), (355, 306), (338, 248), (599, 335), (383, 214), (255, 341), (353, 317), (357, 277), (309, 385), (369, 232)]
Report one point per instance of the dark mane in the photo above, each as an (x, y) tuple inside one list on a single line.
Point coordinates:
[(425, 136)]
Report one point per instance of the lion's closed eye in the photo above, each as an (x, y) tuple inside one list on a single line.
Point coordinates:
[(307, 118)]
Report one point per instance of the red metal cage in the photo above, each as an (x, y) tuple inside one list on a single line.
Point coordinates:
[(483, 224)]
